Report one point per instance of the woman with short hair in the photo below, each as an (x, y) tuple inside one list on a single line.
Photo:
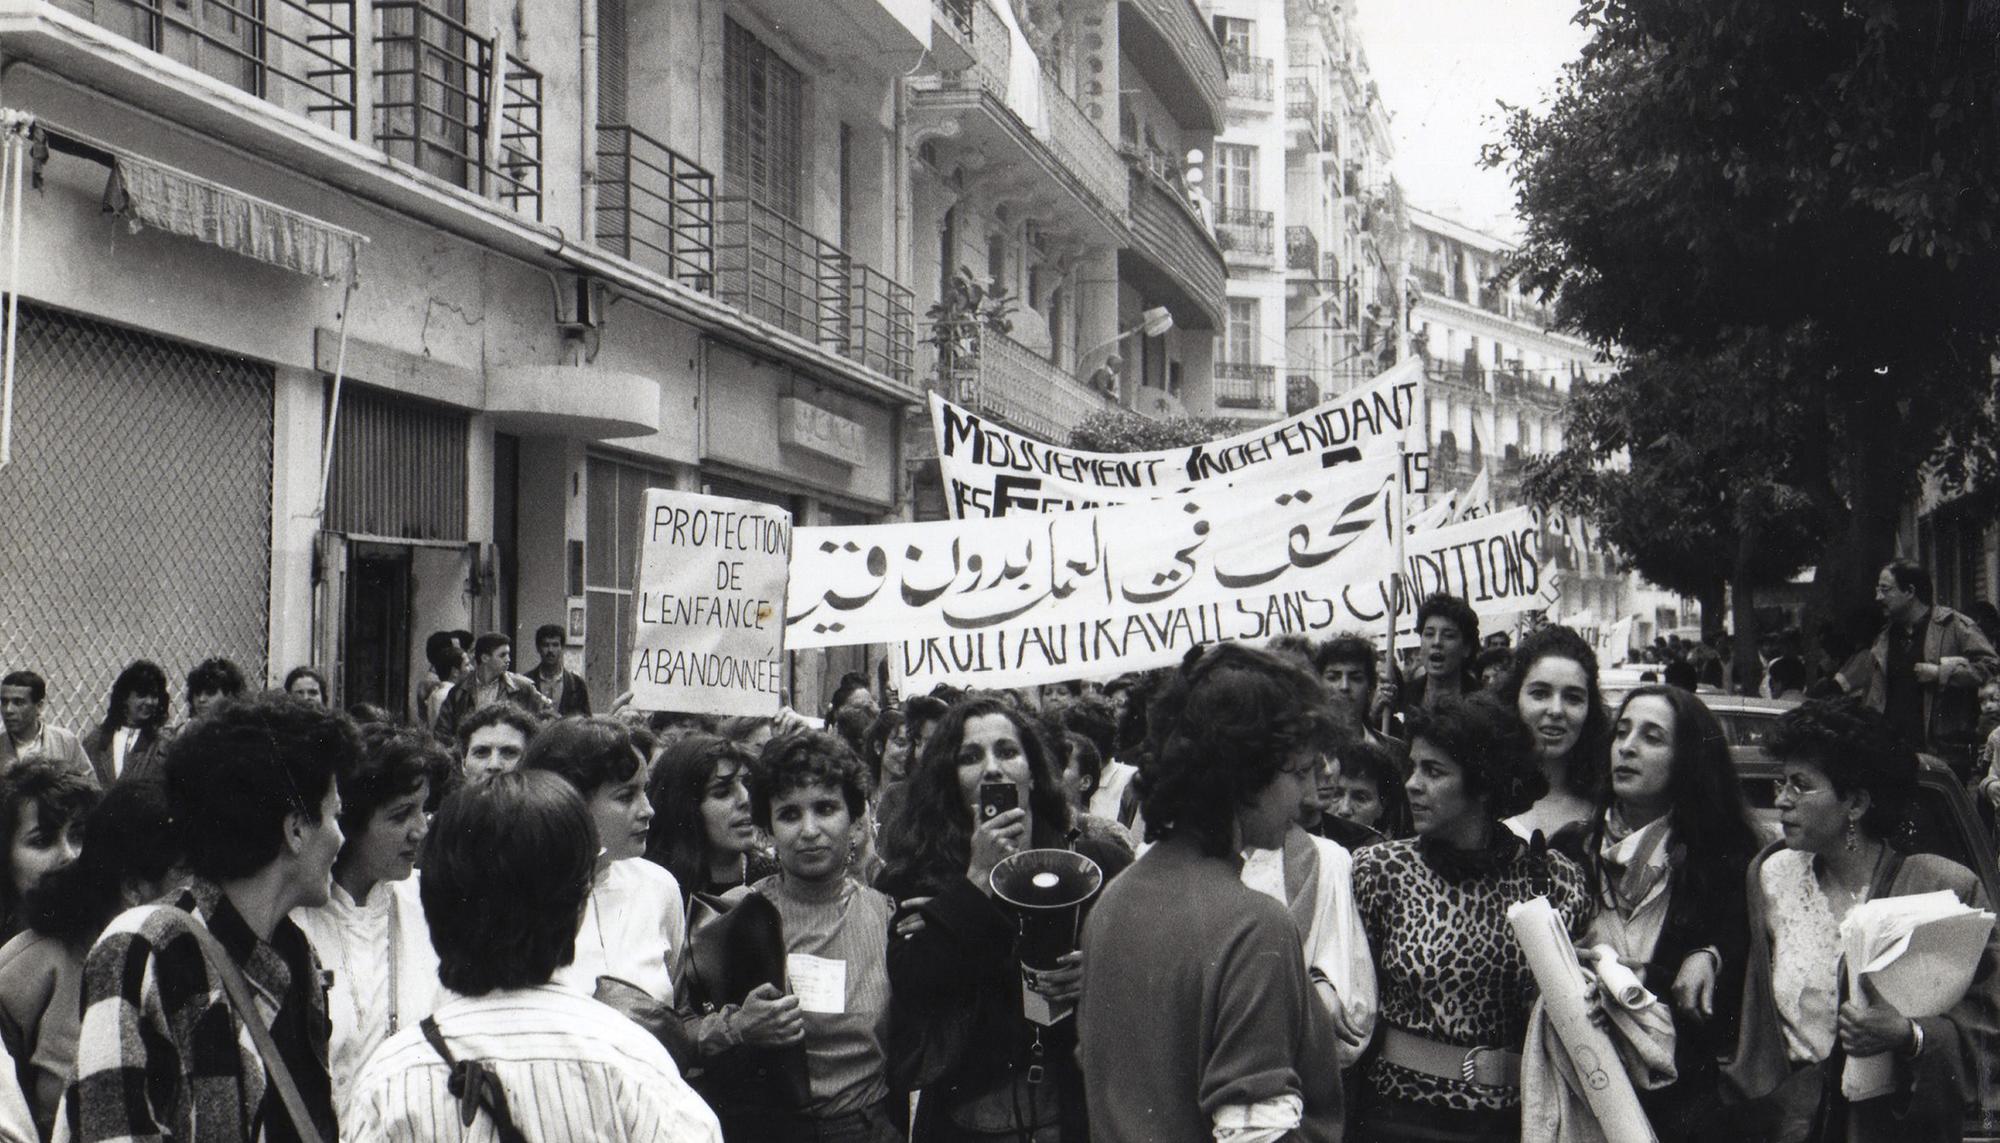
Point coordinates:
[(1453, 983), (1842, 803), (370, 933)]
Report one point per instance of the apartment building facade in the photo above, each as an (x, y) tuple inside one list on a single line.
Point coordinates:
[(555, 253)]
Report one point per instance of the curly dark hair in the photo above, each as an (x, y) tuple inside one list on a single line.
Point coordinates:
[(814, 758), (233, 777), (1491, 746), (59, 796), (589, 752), (1858, 750), (935, 822), (394, 761), (1219, 732), (506, 870), (1583, 770), (141, 676), (1443, 605), (216, 676), (129, 839), (1348, 647), (1362, 758), (1706, 811)]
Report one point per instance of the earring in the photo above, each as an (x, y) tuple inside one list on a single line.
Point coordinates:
[(1853, 836)]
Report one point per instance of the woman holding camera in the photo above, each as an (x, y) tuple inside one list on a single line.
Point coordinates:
[(985, 788)]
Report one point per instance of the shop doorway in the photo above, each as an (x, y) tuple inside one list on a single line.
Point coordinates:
[(379, 600)]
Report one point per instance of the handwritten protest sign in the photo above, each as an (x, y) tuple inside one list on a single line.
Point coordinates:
[(709, 613), (887, 583), (990, 470), (1491, 562)]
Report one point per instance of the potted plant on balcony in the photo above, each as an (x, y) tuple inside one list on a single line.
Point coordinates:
[(969, 309)]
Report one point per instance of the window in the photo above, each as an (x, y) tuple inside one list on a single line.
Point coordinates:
[(1240, 344), (1235, 176), (996, 259), (1234, 33), (763, 109)]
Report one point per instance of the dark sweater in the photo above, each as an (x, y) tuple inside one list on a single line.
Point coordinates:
[(1196, 998)]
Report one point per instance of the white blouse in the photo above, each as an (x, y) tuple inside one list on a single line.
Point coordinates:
[(1805, 954), (385, 973), (632, 929)]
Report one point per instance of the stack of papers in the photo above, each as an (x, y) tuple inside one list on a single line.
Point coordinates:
[(1919, 952)]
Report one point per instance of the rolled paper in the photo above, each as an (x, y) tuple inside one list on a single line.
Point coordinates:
[(1551, 957), (1619, 982)]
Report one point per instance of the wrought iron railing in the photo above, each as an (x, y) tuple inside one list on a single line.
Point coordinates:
[(296, 54), (655, 206), (778, 272), (1249, 76), (1011, 381), (1302, 102), (1301, 249), (1082, 149), (958, 16), (1301, 392), (1239, 385), (1429, 279), (434, 98), (1242, 230), (1492, 299)]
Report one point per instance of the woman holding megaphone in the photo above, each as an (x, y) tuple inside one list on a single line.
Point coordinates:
[(992, 1048)]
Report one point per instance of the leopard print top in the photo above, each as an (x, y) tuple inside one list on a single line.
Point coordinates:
[(1446, 963)]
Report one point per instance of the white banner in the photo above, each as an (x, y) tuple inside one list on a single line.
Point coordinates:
[(989, 470), (709, 612), (1492, 562), (886, 583)]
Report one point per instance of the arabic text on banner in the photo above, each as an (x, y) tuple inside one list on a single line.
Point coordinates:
[(709, 613), (1492, 562), (989, 470), (883, 583)]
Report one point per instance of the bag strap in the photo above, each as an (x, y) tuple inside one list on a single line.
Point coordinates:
[(475, 1086), (237, 990)]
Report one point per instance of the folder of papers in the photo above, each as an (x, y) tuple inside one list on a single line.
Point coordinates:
[(1919, 952)]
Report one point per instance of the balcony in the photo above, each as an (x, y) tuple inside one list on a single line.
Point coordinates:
[(1172, 256), (295, 54), (1244, 232), (1067, 148), (1301, 249), (1242, 386), (1492, 300), (786, 276), (1018, 385), (886, 37), (1301, 393), (655, 206), (1304, 118), (952, 33), (1175, 52), (1249, 77), (435, 90), (1429, 280)]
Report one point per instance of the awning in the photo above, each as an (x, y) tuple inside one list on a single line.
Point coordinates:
[(151, 193)]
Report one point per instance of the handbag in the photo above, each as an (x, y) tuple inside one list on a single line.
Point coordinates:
[(733, 948), (237, 990)]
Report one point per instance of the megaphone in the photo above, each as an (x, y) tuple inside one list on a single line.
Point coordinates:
[(1046, 890)]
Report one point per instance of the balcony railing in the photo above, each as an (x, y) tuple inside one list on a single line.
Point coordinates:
[(1302, 102), (1013, 382), (778, 272), (655, 206), (958, 16), (1242, 386), (433, 109), (1301, 249), (1243, 231), (1249, 76), (296, 54), (1429, 279), (1493, 301), (1301, 392)]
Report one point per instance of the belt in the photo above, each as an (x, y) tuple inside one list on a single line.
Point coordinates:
[(1486, 1067)]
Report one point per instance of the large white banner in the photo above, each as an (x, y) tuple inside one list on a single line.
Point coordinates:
[(888, 583), (709, 613), (1492, 562), (990, 470)]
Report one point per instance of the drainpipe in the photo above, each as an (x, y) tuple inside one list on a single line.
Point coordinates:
[(586, 23)]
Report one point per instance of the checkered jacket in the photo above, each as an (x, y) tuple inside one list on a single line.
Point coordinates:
[(162, 1054)]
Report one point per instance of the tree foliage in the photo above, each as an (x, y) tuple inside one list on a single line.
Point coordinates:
[(1806, 193), (1118, 430)]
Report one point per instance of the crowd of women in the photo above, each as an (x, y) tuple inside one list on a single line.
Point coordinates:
[(1302, 931)]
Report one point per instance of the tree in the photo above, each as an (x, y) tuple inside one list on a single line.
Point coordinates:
[(1814, 187), (1117, 430)]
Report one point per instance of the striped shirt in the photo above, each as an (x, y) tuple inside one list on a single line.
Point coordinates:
[(572, 1068), (836, 945)]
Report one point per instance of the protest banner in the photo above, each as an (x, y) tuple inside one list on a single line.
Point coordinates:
[(709, 613), (990, 470), (884, 583), (1492, 562)]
